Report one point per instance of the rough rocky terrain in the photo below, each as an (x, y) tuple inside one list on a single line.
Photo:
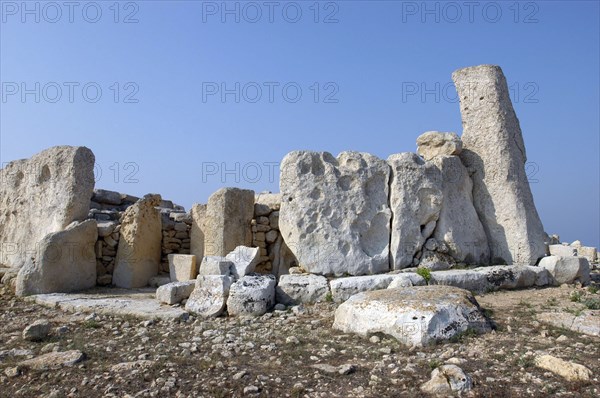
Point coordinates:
[(293, 353)]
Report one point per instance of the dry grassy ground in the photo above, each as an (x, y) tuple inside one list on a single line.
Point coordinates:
[(276, 353)]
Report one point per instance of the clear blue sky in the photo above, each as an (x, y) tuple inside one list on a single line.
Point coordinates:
[(170, 132)]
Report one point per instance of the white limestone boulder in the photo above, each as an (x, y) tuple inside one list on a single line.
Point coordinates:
[(334, 214), (567, 269), (448, 380), (175, 292), (305, 288), (458, 225), (64, 262), (229, 213), (562, 250), (42, 195), (209, 297), (415, 316), (471, 280), (344, 288), (138, 255), (415, 201), (215, 265), (252, 295), (244, 260), (182, 267), (434, 143), (494, 153)]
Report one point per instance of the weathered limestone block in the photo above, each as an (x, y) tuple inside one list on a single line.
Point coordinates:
[(209, 296), (458, 224), (42, 195), (434, 143), (344, 288), (567, 269), (107, 197), (138, 255), (244, 260), (215, 265), (447, 380), (266, 203), (415, 316), (506, 277), (64, 262), (591, 253), (494, 154), (415, 201), (334, 213), (569, 370), (465, 279), (297, 289), (182, 267), (562, 250), (175, 292), (253, 295), (227, 224)]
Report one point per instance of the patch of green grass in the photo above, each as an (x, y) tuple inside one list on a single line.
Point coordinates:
[(329, 297), (487, 312), (434, 363), (553, 302), (91, 324), (462, 336), (425, 273), (576, 296), (525, 361), (591, 303), (593, 289)]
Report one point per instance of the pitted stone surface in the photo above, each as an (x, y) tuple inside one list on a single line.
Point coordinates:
[(334, 213)]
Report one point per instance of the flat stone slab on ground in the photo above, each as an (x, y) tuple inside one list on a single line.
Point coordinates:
[(134, 302), (587, 323)]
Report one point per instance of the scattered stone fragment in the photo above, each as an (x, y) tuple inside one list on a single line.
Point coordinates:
[(447, 380), (175, 292), (54, 360), (569, 370), (37, 331)]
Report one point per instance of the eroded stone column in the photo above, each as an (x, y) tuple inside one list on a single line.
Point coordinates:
[(494, 154)]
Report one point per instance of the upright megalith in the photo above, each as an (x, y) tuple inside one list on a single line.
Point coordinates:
[(458, 225), (138, 255), (63, 262), (415, 201), (334, 214), (228, 218), (42, 195), (198, 213), (494, 154)]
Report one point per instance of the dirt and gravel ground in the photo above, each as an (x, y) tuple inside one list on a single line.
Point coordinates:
[(274, 355)]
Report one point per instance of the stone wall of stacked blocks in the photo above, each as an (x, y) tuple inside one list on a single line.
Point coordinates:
[(108, 208)]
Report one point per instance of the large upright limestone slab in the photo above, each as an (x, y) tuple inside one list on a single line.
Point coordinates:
[(458, 224), (229, 213), (415, 201), (197, 237), (138, 255), (334, 213), (42, 195), (494, 154), (64, 262)]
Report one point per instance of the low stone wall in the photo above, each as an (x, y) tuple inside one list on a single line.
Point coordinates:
[(108, 207)]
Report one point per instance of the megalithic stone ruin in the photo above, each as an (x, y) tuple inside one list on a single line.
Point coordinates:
[(494, 154)]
